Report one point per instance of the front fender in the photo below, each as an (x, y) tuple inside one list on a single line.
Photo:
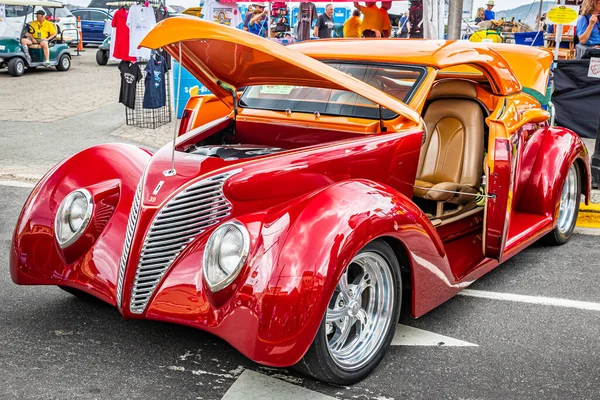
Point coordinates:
[(559, 149), (307, 247), (111, 173)]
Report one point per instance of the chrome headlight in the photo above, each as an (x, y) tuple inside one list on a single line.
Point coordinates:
[(225, 254), (73, 216)]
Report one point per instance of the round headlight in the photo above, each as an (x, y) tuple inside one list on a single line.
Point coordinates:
[(225, 254), (72, 217)]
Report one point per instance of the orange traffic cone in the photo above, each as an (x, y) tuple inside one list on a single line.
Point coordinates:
[(79, 34)]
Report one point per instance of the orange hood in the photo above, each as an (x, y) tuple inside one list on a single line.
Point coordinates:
[(225, 59)]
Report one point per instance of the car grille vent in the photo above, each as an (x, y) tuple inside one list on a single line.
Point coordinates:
[(178, 223), (133, 216)]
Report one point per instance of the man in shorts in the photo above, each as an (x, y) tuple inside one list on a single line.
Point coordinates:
[(44, 31)]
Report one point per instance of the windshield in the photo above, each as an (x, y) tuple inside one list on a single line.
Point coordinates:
[(397, 81)]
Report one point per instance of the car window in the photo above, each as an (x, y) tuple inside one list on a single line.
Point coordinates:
[(85, 15), (58, 12), (97, 16), (397, 81), (16, 11)]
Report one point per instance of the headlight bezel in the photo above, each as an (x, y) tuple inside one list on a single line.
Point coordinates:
[(61, 213), (208, 261)]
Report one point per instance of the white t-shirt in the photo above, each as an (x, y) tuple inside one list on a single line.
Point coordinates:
[(222, 13), (140, 20)]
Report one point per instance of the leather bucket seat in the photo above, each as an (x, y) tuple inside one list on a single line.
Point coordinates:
[(452, 156)]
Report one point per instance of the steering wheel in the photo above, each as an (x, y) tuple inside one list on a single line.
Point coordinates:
[(29, 28)]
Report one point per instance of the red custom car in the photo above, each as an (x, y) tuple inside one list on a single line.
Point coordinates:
[(297, 210)]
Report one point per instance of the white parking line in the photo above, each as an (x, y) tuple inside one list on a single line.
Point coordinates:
[(409, 336), (17, 184), (548, 301), (254, 386), (587, 231)]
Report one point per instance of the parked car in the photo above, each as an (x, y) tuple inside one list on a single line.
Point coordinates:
[(93, 21), (292, 218)]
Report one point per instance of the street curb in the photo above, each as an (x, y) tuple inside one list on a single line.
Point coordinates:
[(589, 216)]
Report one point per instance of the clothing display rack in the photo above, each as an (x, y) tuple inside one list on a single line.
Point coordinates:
[(150, 118)]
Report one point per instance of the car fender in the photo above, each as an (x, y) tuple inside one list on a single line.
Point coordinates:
[(306, 247), (559, 149), (110, 171)]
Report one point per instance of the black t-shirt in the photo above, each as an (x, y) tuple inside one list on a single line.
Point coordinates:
[(155, 94), (130, 75), (325, 25)]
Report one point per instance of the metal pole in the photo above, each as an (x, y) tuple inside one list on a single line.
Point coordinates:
[(455, 12), (557, 35), (596, 160)]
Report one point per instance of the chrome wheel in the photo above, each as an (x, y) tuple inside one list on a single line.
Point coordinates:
[(360, 311), (568, 202)]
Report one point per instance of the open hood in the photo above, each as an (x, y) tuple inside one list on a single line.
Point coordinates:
[(225, 59)]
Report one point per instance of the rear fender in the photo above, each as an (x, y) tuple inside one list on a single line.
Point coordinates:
[(110, 172), (559, 149), (305, 248)]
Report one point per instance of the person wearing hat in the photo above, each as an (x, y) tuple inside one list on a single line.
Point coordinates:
[(258, 24), (44, 31), (488, 14)]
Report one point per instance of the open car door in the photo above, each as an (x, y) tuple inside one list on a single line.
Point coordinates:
[(505, 147)]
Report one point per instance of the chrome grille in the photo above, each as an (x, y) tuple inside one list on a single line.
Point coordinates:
[(133, 216), (185, 216)]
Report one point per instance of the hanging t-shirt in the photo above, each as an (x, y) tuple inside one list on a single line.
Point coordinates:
[(130, 75), (306, 15), (140, 20), (155, 94), (120, 37), (325, 26), (161, 13), (222, 13)]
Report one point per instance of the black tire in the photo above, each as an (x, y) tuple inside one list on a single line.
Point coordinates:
[(318, 362), (64, 63), (81, 294), (102, 57), (558, 237), (16, 66)]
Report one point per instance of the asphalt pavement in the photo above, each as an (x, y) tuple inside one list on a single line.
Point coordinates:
[(55, 346)]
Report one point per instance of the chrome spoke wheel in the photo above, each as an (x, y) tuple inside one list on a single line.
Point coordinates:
[(568, 202), (360, 311)]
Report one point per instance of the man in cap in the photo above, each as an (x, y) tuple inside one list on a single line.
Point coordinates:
[(258, 23), (488, 14), (43, 32)]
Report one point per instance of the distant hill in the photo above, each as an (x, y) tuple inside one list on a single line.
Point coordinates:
[(526, 13)]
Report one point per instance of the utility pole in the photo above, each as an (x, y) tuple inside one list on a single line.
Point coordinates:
[(455, 12)]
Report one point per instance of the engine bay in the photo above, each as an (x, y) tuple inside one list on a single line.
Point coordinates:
[(230, 152)]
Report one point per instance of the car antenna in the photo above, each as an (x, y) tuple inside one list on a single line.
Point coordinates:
[(172, 172), (381, 126)]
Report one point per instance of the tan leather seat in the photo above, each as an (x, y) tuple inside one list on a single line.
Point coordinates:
[(452, 155)]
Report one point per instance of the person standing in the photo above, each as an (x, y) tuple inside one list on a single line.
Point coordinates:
[(480, 16), (324, 26), (258, 24), (371, 16), (404, 26), (489, 15), (248, 17), (588, 27), (44, 31), (386, 24), (352, 26)]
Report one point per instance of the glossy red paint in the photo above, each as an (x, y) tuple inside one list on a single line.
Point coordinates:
[(35, 257)]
